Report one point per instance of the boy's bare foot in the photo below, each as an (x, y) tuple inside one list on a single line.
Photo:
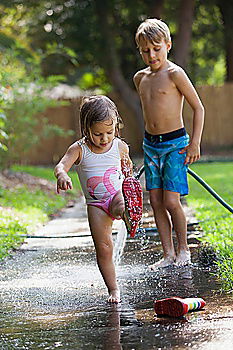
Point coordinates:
[(183, 258), (114, 296), (165, 262)]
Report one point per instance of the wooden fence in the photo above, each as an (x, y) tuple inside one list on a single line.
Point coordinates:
[(218, 128)]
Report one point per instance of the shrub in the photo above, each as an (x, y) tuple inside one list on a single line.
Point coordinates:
[(23, 101)]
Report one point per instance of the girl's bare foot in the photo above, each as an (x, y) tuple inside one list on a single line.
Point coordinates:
[(183, 258), (165, 262), (114, 296)]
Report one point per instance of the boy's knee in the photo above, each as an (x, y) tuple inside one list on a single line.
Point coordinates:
[(171, 204), (155, 201)]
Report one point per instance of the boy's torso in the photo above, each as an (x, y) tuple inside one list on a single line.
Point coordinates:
[(162, 102)]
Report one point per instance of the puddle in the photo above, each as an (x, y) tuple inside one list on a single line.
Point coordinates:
[(53, 296)]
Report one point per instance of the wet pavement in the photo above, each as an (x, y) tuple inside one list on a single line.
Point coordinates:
[(53, 296)]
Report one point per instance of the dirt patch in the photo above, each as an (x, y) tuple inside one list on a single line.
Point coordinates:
[(11, 179)]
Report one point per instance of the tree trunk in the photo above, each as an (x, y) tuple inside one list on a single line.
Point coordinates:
[(156, 9), (184, 34), (111, 64), (226, 8)]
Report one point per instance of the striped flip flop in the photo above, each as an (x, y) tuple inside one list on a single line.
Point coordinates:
[(177, 307)]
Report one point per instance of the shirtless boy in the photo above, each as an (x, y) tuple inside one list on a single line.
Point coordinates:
[(162, 87)]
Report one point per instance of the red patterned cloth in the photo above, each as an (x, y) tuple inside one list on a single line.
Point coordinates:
[(132, 192)]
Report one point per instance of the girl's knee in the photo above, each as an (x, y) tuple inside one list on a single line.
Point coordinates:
[(104, 249), (118, 207)]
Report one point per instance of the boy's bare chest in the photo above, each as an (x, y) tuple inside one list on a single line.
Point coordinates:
[(156, 87)]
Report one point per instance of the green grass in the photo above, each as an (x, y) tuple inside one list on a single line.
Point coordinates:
[(218, 221), (12, 231), (42, 172), (22, 208), (45, 173)]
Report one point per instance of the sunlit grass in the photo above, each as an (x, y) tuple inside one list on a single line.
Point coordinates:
[(217, 221), (23, 208), (32, 203), (11, 232), (45, 173)]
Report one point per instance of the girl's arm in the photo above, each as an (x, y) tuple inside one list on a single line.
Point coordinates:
[(126, 162), (186, 88), (72, 155)]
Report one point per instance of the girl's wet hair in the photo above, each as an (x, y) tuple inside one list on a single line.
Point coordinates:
[(153, 30), (98, 109)]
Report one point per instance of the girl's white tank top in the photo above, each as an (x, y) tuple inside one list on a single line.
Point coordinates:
[(100, 174)]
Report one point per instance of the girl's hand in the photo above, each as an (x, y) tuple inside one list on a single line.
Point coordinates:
[(64, 184), (192, 153)]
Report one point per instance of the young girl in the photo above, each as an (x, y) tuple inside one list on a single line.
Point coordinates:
[(102, 160)]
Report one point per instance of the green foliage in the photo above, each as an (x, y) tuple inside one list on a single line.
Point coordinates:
[(56, 58), (207, 65), (36, 202), (22, 209), (22, 93), (70, 33), (27, 209), (95, 81), (41, 172), (11, 232), (3, 134), (225, 267), (45, 173), (23, 100), (218, 222)]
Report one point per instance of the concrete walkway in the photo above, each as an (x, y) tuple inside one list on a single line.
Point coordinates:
[(53, 296)]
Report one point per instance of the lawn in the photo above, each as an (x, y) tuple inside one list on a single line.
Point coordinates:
[(45, 173), (24, 207), (216, 221)]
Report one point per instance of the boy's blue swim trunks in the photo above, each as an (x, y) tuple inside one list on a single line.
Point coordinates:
[(164, 166)]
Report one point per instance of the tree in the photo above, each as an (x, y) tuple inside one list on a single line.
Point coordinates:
[(22, 93), (226, 8), (155, 8), (184, 33), (110, 59), (101, 33)]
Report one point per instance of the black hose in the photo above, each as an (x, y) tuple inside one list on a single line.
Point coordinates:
[(55, 237), (140, 172), (137, 176), (202, 182), (210, 190)]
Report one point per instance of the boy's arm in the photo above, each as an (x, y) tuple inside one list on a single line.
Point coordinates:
[(186, 88), (126, 162), (71, 156), (137, 79)]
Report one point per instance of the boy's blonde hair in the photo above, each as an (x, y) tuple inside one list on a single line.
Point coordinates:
[(153, 30)]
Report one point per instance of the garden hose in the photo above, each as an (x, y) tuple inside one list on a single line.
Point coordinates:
[(210, 190), (137, 176), (202, 182), (55, 237)]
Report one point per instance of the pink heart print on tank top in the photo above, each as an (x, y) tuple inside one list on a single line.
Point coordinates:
[(103, 184)]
